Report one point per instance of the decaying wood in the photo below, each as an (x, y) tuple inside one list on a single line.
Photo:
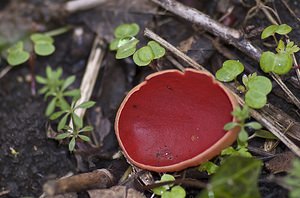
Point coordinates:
[(227, 34), (91, 73), (270, 117), (98, 179)]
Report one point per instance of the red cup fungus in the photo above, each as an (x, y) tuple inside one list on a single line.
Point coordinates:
[(174, 120)]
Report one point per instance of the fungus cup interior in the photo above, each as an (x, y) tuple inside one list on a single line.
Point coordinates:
[(174, 120)]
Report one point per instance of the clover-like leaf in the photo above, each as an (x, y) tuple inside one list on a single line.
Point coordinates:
[(283, 29), (114, 44), (127, 30), (160, 190), (255, 100), (176, 192), (261, 84), (143, 56), (157, 49), (126, 49), (280, 63), (269, 31), (17, 55), (43, 44), (229, 71), (237, 174)]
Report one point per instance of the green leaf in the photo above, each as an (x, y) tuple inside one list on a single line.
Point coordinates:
[(114, 44), (243, 135), (72, 144), (241, 114), (283, 29), (84, 138), (229, 71), (265, 134), (41, 79), (176, 192), (77, 120), (280, 46), (38, 37), (269, 31), (56, 115), (209, 167), (138, 61), (62, 136), (127, 49), (230, 126), (160, 190), (68, 82), (86, 105), (255, 99), (145, 54), (86, 128), (237, 174), (157, 49), (51, 107), (74, 93), (280, 63), (254, 125), (62, 122), (293, 179), (228, 151), (261, 84), (63, 104), (17, 55), (126, 30), (44, 49)]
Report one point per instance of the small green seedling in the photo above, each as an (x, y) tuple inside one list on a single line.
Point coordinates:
[(282, 61), (169, 190), (43, 44), (125, 44), (209, 167), (69, 114), (257, 87), (282, 29), (293, 180), (74, 134), (242, 114), (57, 88), (229, 71), (16, 54)]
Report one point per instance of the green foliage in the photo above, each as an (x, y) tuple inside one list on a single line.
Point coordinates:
[(258, 89), (43, 44), (265, 134), (282, 29), (17, 55), (209, 167), (229, 71), (125, 44), (293, 180), (237, 174), (169, 191)]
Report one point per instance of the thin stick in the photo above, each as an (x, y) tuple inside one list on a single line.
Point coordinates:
[(270, 117), (5, 71), (91, 73), (229, 35), (79, 5)]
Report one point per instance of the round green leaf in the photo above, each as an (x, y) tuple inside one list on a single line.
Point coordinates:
[(157, 49), (43, 48), (229, 71), (114, 44), (38, 37), (280, 63), (176, 192), (255, 99), (269, 31), (126, 49), (283, 29), (138, 61), (17, 57), (260, 84), (127, 30), (145, 54)]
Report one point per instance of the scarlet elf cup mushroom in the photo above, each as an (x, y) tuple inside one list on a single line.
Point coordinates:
[(174, 120)]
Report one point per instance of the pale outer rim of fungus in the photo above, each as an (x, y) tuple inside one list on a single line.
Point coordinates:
[(208, 154)]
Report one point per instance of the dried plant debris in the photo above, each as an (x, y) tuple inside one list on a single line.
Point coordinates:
[(281, 162), (116, 192)]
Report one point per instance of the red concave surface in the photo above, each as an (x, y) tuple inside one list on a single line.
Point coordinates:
[(172, 117)]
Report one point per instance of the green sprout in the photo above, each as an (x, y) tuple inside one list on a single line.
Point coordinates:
[(69, 114), (209, 167), (242, 114), (17, 55), (125, 44), (169, 190), (74, 134), (293, 179), (257, 87), (282, 61)]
